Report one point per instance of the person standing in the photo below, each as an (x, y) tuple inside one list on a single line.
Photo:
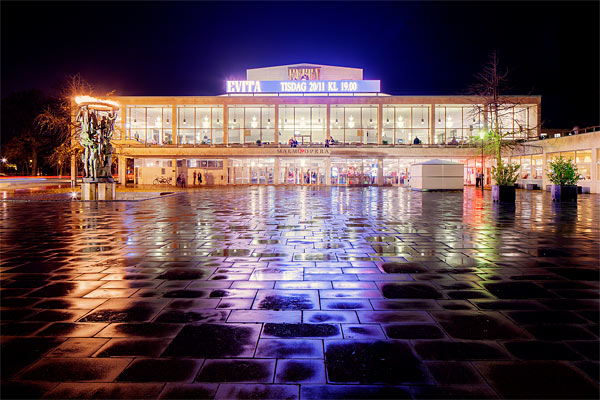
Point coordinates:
[(199, 178), (194, 178)]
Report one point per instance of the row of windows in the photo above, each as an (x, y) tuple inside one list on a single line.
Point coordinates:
[(532, 167), (401, 124)]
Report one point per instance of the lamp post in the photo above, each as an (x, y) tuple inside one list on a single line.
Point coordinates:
[(481, 136), (2, 165)]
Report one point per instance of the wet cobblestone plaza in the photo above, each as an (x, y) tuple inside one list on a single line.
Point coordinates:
[(298, 292)]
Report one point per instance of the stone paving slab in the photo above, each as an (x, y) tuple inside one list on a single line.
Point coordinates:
[(301, 293)]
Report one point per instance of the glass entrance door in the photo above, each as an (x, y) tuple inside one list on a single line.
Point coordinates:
[(308, 171)]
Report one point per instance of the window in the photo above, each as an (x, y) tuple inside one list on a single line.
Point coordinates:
[(537, 162), (583, 159), (149, 124), (199, 125), (248, 124), (306, 123), (525, 169), (402, 123), (205, 164)]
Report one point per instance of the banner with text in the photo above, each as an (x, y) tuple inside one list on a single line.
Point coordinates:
[(346, 86)]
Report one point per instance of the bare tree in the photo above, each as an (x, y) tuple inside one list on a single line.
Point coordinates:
[(58, 119), (497, 107)]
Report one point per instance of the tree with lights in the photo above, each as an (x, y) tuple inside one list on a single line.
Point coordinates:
[(496, 107), (59, 120)]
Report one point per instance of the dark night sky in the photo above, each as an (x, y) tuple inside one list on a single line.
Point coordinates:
[(191, 48)]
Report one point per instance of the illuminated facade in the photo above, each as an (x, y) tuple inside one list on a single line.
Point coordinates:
[(243, 136)]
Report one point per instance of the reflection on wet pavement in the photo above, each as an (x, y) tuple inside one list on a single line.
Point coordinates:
[(279, 292)]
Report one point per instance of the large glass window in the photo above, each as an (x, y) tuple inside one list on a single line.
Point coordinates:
[(198, 125), (525, 169), (403, 123), (354, 124), (537, 162), (583, 159), (250, 124), (305, 123), (149, 124), (516, 121)]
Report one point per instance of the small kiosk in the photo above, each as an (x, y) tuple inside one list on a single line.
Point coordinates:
[(437, 175)]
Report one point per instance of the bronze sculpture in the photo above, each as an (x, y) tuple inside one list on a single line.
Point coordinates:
[(97, 120)]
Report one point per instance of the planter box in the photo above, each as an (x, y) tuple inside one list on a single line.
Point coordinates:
[(504, 194), (564, 193)]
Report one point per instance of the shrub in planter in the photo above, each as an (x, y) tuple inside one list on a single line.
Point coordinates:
[(505, 176), (564, 176)]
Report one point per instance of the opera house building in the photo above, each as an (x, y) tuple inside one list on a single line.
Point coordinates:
[(308, 124)]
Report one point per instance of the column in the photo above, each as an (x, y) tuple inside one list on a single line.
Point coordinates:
[(73, 171), (328, 122), (380, 172), (545, 180), (174, 162), (276, 116), (225, 125), (432, 124), (122, 166), (379, 123), (175, 125), (328, 165), (594, 187), (276, 164)]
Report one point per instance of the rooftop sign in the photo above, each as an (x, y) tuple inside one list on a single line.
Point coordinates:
[(303, 86), (304, 73)]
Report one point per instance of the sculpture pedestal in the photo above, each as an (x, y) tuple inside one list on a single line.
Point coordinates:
[(98, 190)]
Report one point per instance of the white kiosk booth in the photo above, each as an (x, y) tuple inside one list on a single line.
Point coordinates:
[(437, 175)]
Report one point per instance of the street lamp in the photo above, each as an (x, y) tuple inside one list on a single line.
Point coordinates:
[(481, 136), (3, 163)]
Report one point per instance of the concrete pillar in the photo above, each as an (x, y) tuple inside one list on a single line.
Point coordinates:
[(276, 167), (73, 171), (594, 173), (379, 124), (174, 169), (175, 124), (106, 191), (432, 124), (380, 172), (89, 191), (545, 180), (225, 125), (328, 171), (328, 122), (276, 116), (122, 167)]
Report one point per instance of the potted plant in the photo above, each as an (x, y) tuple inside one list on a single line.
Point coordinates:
[(505, 176), (564, 176)]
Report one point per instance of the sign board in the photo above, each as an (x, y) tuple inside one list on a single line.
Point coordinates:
[(303, 86), (302, 151), (304, 73)]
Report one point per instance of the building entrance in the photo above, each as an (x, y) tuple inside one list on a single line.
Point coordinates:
[(354, 172), (310, 171)]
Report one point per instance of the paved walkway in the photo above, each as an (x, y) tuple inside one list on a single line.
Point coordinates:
[(312, 293)]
